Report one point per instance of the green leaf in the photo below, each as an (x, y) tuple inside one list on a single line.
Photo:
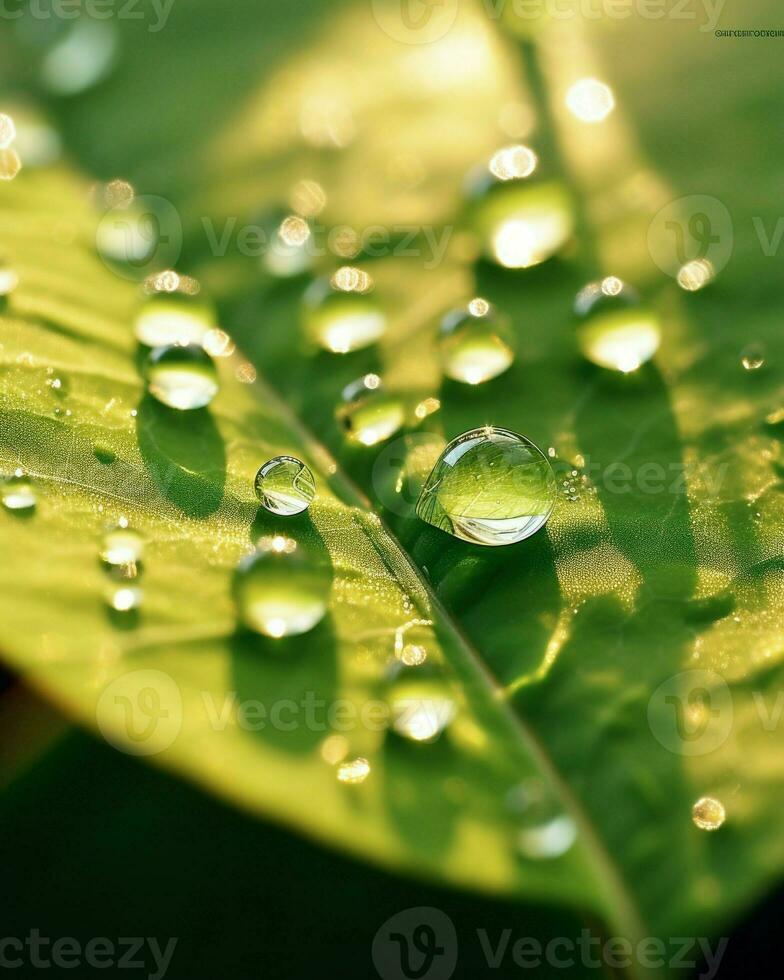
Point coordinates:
[(661, 581)]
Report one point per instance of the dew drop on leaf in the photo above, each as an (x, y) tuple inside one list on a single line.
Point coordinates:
[(614, 330), (368, 413), (421, 702), (475, 343), (519, 217), (17, 493), (283, 588), (182, 377), (121, 552), (752, 358), (341, 314), (9, 280), (544, 830), (490, 487), (708, 813), (173, 318), (285, 486), (125, 598), (354, 771)]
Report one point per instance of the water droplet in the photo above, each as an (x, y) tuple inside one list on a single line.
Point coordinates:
[(125, 599), (36, 141), (695, 275), (10, 164), (489, 486), (353, 772), (83, 57), (121, 554), (475, 343), (283, 588), (173, 318), (708, 813), (118, 193), (753, 357), (545, 831), (369, 413), (17, 493), (341, 314), (519, 217), (288, 248), (182, 377), (413, 655), (7, 131), (284, 485), (9, 280), (614, 329), (590, 100), (421, 703)]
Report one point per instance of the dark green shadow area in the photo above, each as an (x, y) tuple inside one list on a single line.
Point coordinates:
[(185, 455)]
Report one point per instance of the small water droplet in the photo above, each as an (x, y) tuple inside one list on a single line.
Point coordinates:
[(9, 280), (515, 496), (590, 100), (341, 314), (369, 413), (421, 703), (614, 329), (519, 217), (695, 275), (353, 772), (283, 588), (17, 493), (545, 831), (121, 553), (7, 131), (182, 377), (125, 599), (173, 318), (413, 655), (708, 813), (753, 357), (284, 485), (475, 343)]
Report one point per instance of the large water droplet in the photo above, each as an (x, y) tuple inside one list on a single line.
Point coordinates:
[(121, 554), (708, 813), (17, 493), (520, 218), (421, 703), (615, 330), (182, 377), (284, 485), (173, 318), (369, 413), (489, 486), (475, 343), (341, 314), (283, 588), (545, 831)]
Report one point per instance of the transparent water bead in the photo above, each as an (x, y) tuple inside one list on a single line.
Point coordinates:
[(9, 280), (708, 813), (353, 772), (285, 486), (173, 318), (519, 217), (340, 313), (475, 343), (283, 588), (421, 702), (368, 412), (490, 487), (753, 357), (121, 553), (545, 831), (125, 599), (182, 377), (17, 493), (614, 329), (288, 249)]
